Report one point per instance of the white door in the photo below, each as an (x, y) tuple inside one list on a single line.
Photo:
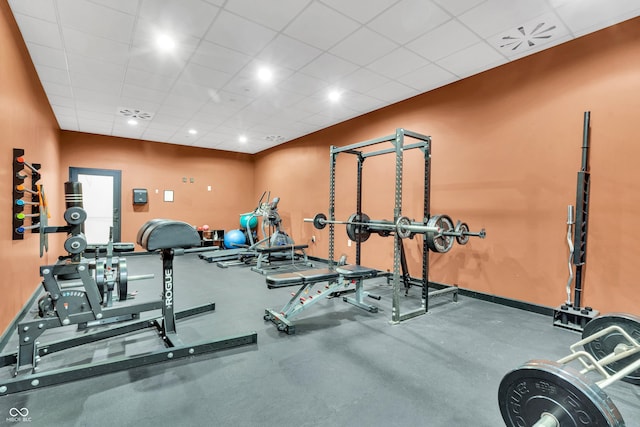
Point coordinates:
[(101, 201)]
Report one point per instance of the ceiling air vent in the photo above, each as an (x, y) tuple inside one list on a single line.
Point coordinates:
[(277, 139), (133, 113), (527, 37)]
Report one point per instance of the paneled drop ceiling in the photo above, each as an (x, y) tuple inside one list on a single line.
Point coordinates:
[(102, 70)]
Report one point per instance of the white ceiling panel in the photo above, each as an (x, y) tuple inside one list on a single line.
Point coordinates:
[(320, 26), (96, 19), (274, 14), (191, 17), (239, 34), (472, 60), (450, 37), (95, 57), (409, 19), (37, 31)]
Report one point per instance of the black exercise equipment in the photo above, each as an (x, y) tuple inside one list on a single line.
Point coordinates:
[(339, 281), (68, 307), (571, 315), (542, 393)]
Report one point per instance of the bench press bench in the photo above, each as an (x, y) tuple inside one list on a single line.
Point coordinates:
[(338, 281)]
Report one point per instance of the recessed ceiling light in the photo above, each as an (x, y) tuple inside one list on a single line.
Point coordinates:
[(132, 122), (242, 139), (165, 43), (334, 96), (193, 131), (265, 74)]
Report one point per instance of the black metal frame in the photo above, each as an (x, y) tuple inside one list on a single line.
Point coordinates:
[(399, 268), (30, 351)]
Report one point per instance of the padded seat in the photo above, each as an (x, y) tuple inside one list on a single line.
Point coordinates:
[(353, 271), (301, 277), (167, 234)]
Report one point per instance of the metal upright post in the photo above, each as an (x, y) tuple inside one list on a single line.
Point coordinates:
[(359, 203), (332, 201), (397, 213), (427, 215)]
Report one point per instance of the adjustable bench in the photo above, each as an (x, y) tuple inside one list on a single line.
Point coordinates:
[(338, 281)]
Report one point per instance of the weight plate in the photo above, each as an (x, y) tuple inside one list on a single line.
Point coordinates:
[(541, 386), (319, 221), (356, 228), (463, 238), (75, 215), (99, 276), (123, 279), (436, 241), (606, 344), (401, 229)]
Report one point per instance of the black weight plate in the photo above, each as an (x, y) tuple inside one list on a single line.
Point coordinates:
[(541, 386), (100, 280), (319, 221), (123, 279), (436, 241), (356, 230), (606, 344)]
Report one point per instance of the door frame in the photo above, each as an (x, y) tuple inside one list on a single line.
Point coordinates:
[(117, 192)]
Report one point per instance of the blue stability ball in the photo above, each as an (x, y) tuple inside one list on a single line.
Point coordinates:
[(251, 219), (234, 239)]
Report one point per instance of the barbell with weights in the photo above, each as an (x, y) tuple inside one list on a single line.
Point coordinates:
[(543, 393), (439, 230)]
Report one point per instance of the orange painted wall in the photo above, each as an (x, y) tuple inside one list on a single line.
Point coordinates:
[(506, 151), (158, 166), (27, 122)]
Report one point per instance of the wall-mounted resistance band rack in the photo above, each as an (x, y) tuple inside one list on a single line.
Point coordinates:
[(26, 196)]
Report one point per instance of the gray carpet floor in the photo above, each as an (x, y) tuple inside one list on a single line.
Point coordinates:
[(343, 367)]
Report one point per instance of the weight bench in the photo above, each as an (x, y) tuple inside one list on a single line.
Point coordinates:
[(265, 253), (338, 280), (74, 307)]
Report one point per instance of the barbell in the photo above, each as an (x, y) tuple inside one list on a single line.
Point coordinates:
[(439, 230), (543, 393)]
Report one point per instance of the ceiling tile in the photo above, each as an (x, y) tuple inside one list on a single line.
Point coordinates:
[(143, 93), (219, 58), (399, 62), (126, 6), (361, 103), (427, 78), (95, 47), (310, 26), (148, 79), (303, 84), (43, 9), (448, 38), (95, 19), (471, 60), (95, 83), (459, 6), (153, 63), (409, 19), (39, 32), (81, 64), (57, 89), (191, 17), (329, 68), (531, 36), (360, 10), (62, 101), (274, 14), (239, 34), (495, 16), (47, 56), (393, 92), (284, 51), (203, 76), (590, 15), (53, 75), (363, 47), (363, 80)]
